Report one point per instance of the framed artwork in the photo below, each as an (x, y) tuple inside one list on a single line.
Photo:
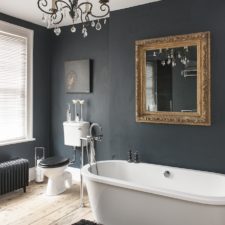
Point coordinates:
[(77, 76)]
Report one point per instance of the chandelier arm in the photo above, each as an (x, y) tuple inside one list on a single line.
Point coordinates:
[(63, 2), (71, 3), (81, 12), (51, 11), (58, 14), (44, 3), (104, 7), (87, 19), (90, 5), (55, 16), (87, 14)]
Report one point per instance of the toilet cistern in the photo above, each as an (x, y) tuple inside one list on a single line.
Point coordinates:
[(73, 132)]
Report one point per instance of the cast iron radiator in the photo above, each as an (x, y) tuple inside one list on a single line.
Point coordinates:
[(14, 174)]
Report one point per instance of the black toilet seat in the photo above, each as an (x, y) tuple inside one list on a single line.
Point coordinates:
[(54, 162)]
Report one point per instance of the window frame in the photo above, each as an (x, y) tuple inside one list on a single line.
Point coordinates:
[(28, 34)]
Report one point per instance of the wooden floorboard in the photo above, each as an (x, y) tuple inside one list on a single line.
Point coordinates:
[(34, 207)]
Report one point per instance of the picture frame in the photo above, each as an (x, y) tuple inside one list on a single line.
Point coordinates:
[(77, 76)]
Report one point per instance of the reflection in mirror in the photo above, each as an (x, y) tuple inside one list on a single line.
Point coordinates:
[(171, 83)]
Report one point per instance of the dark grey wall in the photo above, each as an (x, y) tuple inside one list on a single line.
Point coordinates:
[(41, 94), (72, 47), (112, 103)]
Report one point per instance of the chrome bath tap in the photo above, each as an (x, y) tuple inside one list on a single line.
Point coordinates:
[(96, 137)]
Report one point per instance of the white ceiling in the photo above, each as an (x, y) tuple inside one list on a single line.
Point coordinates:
[(28, 10)]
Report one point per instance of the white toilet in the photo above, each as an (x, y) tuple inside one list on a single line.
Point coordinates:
[(58, 179), (54, 167)]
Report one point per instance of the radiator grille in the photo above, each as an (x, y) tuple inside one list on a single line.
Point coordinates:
[(14, 175)]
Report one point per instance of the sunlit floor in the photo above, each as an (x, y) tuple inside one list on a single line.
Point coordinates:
[(34, 207)]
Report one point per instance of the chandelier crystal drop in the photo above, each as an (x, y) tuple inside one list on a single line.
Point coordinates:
[(56, 11), (98, 26), (73, 29), (57, 31)]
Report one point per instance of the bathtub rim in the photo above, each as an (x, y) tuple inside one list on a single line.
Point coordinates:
[(201, 199)]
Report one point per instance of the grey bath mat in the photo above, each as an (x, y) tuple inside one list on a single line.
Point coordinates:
[(85, 222)]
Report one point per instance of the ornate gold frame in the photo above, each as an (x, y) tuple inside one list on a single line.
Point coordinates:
[(203, 115)]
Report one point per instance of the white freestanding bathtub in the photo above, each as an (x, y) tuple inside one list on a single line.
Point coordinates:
[(143, 194)]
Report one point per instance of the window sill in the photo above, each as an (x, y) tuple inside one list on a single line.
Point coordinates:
[(17, 141)]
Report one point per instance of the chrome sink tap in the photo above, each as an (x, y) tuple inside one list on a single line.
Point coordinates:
[(96, 137)]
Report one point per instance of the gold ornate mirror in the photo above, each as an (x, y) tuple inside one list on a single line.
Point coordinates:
[(173, 80)]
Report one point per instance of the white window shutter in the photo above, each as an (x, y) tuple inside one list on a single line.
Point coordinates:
[(15, 94)]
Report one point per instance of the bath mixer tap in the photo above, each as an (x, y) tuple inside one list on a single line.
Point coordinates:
[(136, 157), (90, 148), (130, 158), (96, 137)]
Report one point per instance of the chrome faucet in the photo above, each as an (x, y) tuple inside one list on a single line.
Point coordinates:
[(96, 137)]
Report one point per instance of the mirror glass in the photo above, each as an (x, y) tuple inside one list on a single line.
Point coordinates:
[(171, 79)]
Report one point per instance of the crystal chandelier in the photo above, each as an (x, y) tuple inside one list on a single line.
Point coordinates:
[(54, 14), (172, 56)]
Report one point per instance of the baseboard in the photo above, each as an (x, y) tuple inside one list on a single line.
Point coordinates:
[(31, 174), (74, 171)]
